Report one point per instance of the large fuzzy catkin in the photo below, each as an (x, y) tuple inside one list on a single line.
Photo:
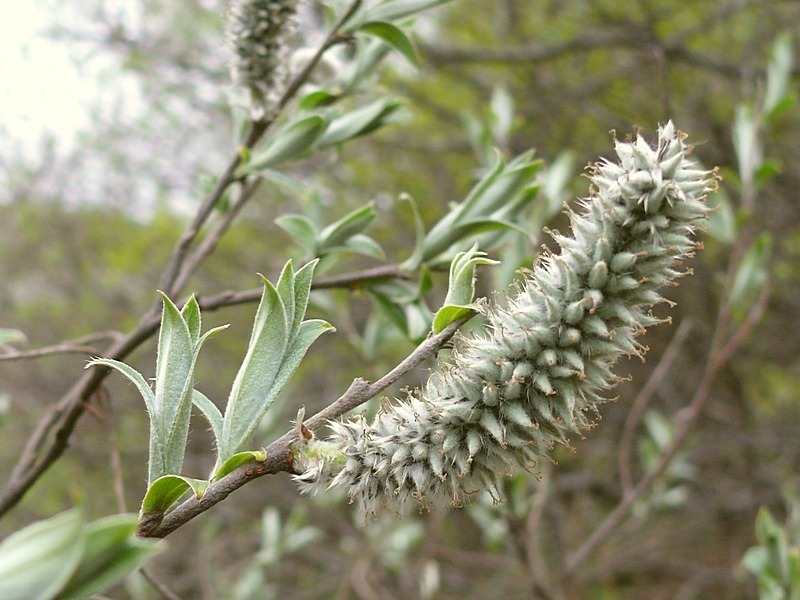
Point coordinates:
[(538, 373), (256, 34)]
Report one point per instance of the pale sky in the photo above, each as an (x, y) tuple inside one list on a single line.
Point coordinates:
[(41, 90)]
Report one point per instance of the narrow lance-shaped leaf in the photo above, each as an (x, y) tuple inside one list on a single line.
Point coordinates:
[(338, 232), (291, 142), (210, 412), (265, 351), (359, 122), (11, 336), (37, 561), (395, 37), (393, 10), (497, 198), (112, 551), (779, 71), (279, 340), (752, 272)]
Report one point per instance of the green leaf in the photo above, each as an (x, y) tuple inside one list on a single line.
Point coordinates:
[(38, 560), (132, 375), (191, 316), (779, 73), (393, 10), (279, 340), (210, 412), (395, 37), (291, 142), (747, 143), (461, 287), (721, 223), (167, 490), (338, 232), (300, 228), (419, 319), (237, 460), (767, 170), (415, 260), (451, 313), (254, 379), (112, 551), (502, 105), (173, 368), (752, 272), (364, 245), (317, 99), (370, 55), (11, 336), (359, 122), (493, 203)]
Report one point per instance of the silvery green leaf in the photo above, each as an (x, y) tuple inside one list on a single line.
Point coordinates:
[(338, 232), (173, 368), (779, 71), (414, 261), (370, 54), (359, 122), (461, 288), (38, 560), (210, 412), (175, 382), (752, 272), (278, 341), (191, 316), (132, 375), (268, 342), (301, 228), (747, 143), (502, 107), (364, 245), (395, 37), (112, 551), (393, 10), (10, 336), (496, 199), (291, 142)]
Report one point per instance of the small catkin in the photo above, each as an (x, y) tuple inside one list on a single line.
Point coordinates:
[(256, 33), (538, 373)]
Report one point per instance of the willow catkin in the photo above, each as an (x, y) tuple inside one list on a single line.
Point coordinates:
[(538, 373), (256, 33)]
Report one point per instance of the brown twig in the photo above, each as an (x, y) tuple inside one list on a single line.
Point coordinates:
[(278, 453), (162, 589)]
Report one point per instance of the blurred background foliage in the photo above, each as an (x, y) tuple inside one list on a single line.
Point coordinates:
[(87, 228)]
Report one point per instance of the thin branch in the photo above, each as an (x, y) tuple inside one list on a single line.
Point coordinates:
[(59, 422), (76, 346), (641, 402), (278, 453), (209, 244), (162, 589), (65, 348), (686, 422)]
